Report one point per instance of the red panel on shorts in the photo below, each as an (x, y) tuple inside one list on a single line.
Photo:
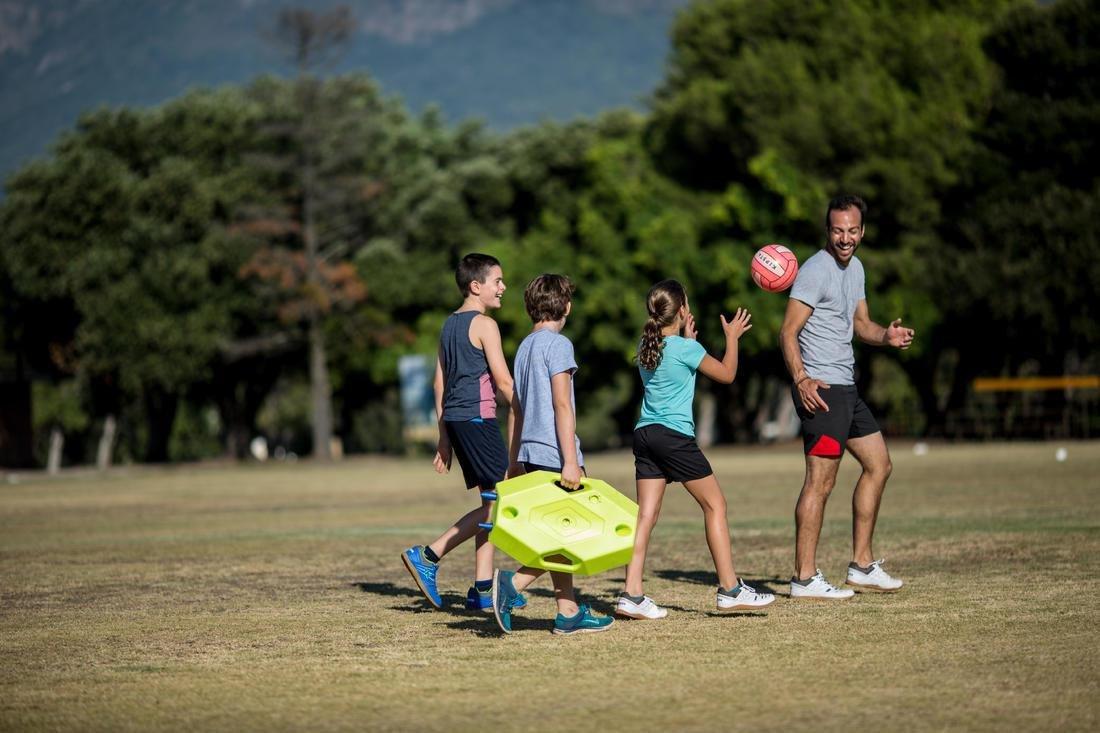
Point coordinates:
[(826, 447)]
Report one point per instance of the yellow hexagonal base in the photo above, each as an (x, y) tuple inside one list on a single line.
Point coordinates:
[(585, 531)]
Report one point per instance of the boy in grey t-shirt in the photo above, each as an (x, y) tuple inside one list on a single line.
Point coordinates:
[(546, 430), (545, 359)]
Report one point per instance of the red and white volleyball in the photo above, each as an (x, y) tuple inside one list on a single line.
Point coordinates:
[(774, 267)]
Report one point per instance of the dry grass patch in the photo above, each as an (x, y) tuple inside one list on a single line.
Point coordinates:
[(271, 598)]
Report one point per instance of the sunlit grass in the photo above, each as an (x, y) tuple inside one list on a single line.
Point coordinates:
[(272, 597)]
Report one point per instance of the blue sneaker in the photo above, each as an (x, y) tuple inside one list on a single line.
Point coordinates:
[(504, 599), (477, 600), (585, 622), (423, 572)]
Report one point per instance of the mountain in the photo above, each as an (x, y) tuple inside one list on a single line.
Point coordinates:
[(508, 62)]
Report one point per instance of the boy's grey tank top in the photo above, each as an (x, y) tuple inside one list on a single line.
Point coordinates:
[(469, 391)]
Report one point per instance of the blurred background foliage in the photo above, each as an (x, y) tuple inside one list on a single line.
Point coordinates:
[(153, 266)]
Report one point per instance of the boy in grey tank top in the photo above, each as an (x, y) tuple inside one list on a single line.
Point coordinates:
[(469, 371), (828, 306)]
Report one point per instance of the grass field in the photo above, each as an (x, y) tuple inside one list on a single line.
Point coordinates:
[(273, 597)]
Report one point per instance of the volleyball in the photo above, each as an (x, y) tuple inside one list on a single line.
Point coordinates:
[(774, 267)]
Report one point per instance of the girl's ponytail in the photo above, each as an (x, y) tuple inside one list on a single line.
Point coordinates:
[(649, 350), (663, 303)]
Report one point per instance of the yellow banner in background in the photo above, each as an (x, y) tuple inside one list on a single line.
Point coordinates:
[(1035, 384)]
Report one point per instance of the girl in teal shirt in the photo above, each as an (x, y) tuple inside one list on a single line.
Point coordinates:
[(664, 443)]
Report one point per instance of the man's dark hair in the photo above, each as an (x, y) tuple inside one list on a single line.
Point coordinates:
[(547, 296), (843, 203), (473, 267)]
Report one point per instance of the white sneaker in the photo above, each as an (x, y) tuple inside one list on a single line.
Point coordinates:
[(819, 589), (874, 579), (647, 609), (746, 598)]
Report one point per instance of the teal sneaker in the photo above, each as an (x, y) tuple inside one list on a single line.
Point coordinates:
[(504, 599), (423, 572), (585, 622), (477, 600)]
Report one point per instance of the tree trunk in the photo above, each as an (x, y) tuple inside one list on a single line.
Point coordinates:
[(16, 445), (57, 445), (241, 388), (922, 376), (320, 392), (705, 418), (106, 444), (160, 416)]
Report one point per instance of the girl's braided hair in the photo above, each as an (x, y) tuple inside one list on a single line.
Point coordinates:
[(663, 303)]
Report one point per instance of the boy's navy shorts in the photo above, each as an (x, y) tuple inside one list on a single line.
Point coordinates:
[(825, 433), (661, 452), (480, 450)]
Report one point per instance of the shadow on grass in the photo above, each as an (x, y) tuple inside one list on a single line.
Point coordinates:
[(765, 585), (452, 602), (485, 626), (456, 604), (599, 606), (736, 614), (699, 577), (708, 578), (703, 577), (387, 589)]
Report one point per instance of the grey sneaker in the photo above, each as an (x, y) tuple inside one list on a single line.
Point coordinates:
[(873, 578), (647, 609), (743, 598), (818, 589)]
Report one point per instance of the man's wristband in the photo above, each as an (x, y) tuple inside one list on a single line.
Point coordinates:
[(800, 381)]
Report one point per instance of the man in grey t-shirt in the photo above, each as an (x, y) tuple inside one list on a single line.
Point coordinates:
[(828, 305)]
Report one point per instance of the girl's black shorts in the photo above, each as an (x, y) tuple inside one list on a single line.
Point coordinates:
[(660, 452)]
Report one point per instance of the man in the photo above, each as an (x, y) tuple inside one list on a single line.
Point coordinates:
[(826, 307)]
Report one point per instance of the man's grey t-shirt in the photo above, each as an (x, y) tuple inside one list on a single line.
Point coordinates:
[(542, 355), (826, 339)]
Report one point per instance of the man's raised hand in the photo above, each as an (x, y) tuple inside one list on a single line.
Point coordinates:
[(899, 336)]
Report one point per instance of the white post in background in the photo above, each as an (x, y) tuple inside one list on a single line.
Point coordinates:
[(704, 421), (106, 444), (57, 443)]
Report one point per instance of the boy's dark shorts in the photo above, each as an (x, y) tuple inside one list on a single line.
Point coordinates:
[(480, 450), (825, 433), (661, 452)]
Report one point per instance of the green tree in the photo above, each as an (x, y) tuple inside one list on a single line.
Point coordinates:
[(778, 106), (1018, 272), (125, 225)]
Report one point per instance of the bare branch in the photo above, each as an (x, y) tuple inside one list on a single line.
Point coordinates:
[(312, 40), (267, 345)]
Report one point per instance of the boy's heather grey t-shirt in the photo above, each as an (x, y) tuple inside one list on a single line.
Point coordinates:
[(826, 339), (542, 355)]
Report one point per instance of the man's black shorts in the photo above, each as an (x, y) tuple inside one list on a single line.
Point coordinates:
[(479, 448), (660, 452), (825, 433)]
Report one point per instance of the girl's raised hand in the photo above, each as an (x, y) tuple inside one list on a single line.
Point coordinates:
[(690, 331), (737, 325)]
